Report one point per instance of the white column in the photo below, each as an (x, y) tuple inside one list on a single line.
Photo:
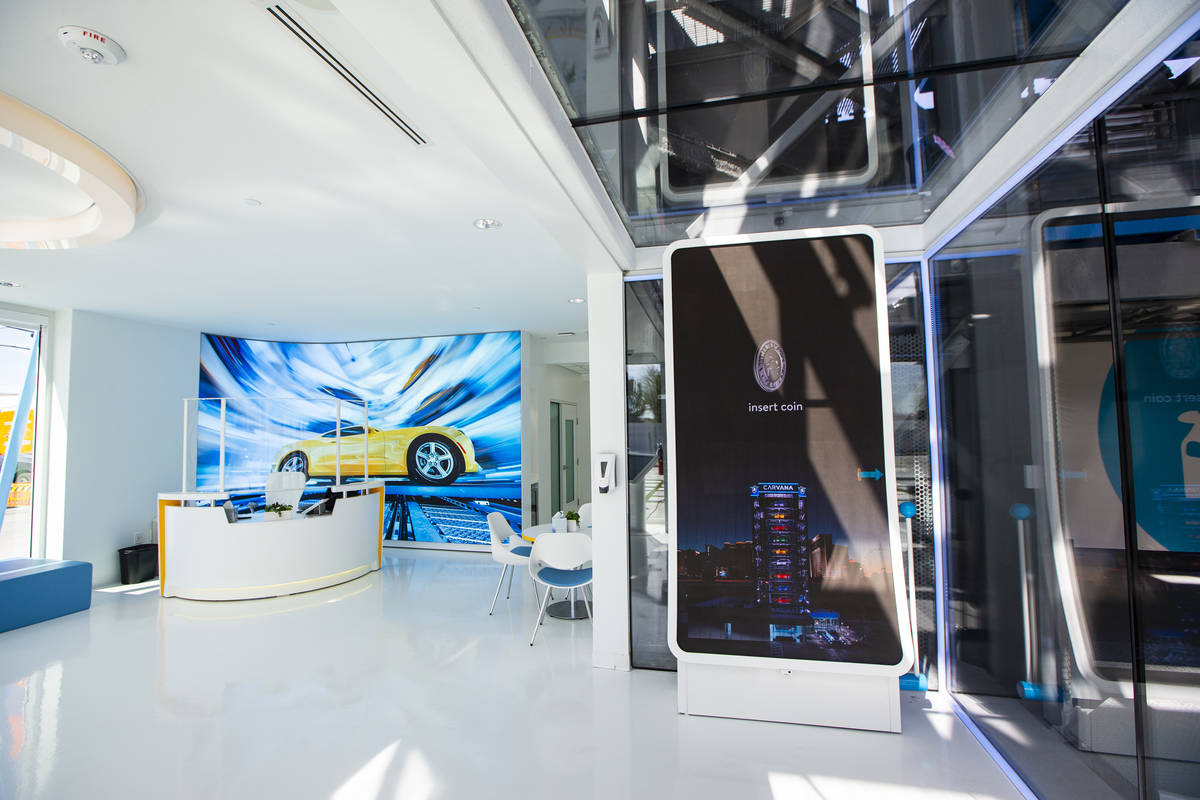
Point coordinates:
[(610, 512)]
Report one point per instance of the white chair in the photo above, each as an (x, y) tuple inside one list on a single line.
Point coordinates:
[(285, 488), (560, 561), (585, 515), (510, 555)]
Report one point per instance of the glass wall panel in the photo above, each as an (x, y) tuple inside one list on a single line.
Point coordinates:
[(787, 156), (883, 154), (764, 106), (1160, 315), (1151, 152), (1069, 355), (607, 58), (645, 396), (645, 364), (919, 36), (1038, 600), (961, 116), (1150, 158)]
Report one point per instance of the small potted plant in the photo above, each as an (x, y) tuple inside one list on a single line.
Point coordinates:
[(278, 511), (572, 520)]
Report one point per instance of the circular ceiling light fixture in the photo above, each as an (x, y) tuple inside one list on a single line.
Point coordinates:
[(92, 46), (9, 285), (566, 333), (66, 168), (253, 202), (576, 300), (486, 224)]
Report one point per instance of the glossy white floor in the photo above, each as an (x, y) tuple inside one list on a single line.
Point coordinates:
[(398, 685)]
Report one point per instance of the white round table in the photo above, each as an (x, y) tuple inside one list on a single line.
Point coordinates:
[(572, 607)]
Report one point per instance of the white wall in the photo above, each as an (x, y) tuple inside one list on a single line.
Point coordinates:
[(117, 388), (610, 512), (545, 383)]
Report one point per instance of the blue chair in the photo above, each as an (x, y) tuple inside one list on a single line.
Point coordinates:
[(560, 561), (37, 589)]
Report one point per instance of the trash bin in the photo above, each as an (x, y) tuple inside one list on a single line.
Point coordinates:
[(138, 563)]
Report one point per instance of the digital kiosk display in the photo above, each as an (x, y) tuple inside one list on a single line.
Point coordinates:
[(785, 545), (438, 419)]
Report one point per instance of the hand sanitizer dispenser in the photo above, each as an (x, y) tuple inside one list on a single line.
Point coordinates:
[(606, 466)]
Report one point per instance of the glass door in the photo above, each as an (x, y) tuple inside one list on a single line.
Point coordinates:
[(556, 464), (564, 462), (570, 460)]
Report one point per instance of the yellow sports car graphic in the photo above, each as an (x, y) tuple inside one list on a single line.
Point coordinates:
[(427, 454)]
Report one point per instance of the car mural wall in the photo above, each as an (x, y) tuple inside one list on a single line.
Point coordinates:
[(442, 415)]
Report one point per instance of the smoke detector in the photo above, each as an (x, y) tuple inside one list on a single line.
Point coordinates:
[(92, 46)]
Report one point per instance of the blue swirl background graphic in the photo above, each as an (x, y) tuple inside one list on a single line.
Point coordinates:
[(285, 391)]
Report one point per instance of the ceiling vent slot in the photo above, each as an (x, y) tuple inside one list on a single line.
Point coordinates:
[(300, 32)]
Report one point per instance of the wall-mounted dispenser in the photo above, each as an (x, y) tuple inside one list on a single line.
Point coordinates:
[(605, 472)]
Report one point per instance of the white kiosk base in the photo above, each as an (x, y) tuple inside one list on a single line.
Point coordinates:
[(832, 699)]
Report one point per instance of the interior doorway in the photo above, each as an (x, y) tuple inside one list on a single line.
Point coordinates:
[(564, 457)]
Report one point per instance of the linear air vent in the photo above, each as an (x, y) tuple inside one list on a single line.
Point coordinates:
[(288, 21)]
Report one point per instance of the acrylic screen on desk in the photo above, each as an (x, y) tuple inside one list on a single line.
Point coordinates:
[(441, 397)]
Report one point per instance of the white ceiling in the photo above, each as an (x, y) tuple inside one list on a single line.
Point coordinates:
[(361, 234)]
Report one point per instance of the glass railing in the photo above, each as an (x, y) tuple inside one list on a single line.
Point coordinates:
[(232, 444)]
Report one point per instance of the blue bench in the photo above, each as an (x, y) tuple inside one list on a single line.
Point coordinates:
[(37, 589)]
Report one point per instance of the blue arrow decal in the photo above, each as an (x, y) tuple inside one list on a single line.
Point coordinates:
[(873, 474)]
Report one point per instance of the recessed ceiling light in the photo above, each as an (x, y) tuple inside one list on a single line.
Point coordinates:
[(476, 308), (486, 224), (9, 285), (251, 201), (576, 300), (566, 333), (270, 324)]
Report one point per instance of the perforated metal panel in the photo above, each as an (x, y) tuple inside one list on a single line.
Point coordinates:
[(911, 413)]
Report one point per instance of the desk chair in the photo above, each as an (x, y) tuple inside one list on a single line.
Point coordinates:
[(510, 556), (285, 488), (560, 561), (585, 515)]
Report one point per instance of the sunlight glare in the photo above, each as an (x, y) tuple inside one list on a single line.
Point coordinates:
[(787, 786)]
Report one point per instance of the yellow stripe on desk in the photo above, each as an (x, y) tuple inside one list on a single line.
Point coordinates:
[(379, 490), (162, 543)]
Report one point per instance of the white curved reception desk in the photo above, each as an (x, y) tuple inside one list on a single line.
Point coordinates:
[(203, 556)]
